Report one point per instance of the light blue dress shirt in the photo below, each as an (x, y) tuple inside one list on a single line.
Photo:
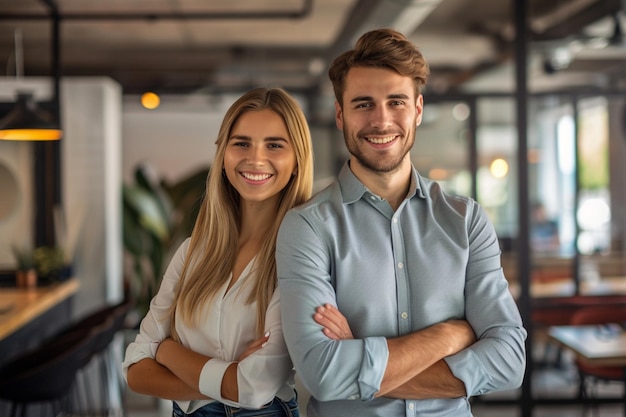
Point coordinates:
[(390, 273)]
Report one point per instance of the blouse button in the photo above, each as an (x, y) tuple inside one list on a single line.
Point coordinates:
[(404, 315)]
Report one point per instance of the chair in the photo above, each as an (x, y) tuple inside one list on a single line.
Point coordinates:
[(598, 315), (108, 320), (47, 374)]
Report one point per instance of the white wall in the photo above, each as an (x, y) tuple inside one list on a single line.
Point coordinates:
[(90, 184), (178, 138), (91, 177), (16, 226)]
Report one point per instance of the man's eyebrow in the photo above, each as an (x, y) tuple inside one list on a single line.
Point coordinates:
[(361, 98), (399, 95), (369, 98)]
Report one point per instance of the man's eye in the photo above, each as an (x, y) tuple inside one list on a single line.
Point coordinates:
[(363, 105)]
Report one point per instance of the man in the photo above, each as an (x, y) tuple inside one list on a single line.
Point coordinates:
[(393, 298)]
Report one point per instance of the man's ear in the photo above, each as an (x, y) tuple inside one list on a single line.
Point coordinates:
[(338, 116), (419, 109)]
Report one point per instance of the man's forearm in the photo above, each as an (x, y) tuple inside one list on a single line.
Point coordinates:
[(436, 381), (413, 354)]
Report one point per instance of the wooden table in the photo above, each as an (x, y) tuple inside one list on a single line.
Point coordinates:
[(594, 345), (615, 285), (29, 315)]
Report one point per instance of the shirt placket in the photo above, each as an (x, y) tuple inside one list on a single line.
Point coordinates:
[(402, 288)]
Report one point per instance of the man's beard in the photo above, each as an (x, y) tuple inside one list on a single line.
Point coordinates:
[(373, 164)]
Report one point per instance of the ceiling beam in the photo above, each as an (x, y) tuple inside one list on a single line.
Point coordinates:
[(303, 12)]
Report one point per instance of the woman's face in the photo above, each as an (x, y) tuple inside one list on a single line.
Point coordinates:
[(260, 158)]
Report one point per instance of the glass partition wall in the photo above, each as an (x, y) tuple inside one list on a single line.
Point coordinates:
[(577, 248), (568, 168)]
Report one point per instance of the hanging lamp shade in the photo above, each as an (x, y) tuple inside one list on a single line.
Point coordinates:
[(26, 121)]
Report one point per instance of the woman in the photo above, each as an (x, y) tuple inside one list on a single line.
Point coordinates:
[(212, 340)]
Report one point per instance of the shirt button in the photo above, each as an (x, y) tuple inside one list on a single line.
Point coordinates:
[(400, 265), (373, 197), (404, 315), (395, 220), (411, 406)]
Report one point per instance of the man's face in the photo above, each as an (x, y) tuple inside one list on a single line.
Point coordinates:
[(379, 116)]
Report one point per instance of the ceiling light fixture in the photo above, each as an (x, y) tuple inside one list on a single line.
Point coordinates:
[(26, 121), (150, 100)]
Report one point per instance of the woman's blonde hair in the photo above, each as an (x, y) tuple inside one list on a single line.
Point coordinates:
[(214, 238)]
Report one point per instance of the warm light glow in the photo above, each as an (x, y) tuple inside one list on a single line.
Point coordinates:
[(461, 112), (534, 156), (499, 168), (31, 134), (438, 174), (150, 100)]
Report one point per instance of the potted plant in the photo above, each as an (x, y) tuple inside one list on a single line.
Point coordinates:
[(50, 263), (157, 217), (26, 275)]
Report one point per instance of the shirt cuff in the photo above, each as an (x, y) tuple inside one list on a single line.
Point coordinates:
[(210, 383), (375, 356), (464, 366)]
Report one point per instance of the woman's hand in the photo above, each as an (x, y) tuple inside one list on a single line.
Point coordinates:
[(160, 352), (254, 346), (335, 324)]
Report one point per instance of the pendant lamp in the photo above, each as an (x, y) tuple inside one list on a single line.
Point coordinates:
[(26, 121)]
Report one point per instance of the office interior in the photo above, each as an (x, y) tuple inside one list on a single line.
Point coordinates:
[(533, 126)]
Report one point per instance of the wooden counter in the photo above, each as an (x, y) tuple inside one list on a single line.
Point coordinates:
[(30, 316), (18, 306)]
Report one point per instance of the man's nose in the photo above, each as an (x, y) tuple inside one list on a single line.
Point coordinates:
[(380, 117)]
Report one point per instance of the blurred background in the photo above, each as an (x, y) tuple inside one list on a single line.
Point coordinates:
[(533, 127)]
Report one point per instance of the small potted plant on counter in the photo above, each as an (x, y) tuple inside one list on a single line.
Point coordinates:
[(26, 275), (51, 264)]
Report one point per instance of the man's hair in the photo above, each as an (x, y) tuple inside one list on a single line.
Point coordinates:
[(380, 48)]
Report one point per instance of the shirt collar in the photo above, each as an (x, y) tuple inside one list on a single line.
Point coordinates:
[(352, 189)]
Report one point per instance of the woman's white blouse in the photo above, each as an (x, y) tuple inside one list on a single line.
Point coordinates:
[(227, 326)]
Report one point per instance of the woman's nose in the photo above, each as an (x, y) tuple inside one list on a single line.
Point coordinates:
[(257, 154)]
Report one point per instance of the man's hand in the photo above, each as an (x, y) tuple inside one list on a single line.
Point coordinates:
[(335, 324)]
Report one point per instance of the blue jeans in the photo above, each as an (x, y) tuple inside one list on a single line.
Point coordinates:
[(275, 408)]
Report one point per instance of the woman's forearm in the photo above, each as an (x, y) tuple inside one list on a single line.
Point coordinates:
[(151, 378)]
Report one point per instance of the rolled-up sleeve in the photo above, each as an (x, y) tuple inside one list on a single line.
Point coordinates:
[(261, 375), (329, 369), (497, 360), (155, 326)]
